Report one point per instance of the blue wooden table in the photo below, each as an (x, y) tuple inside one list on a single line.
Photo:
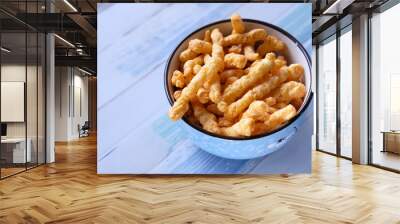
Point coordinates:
[(134, 133)]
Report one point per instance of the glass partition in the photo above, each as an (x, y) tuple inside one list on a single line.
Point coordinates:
[(327, 96), (13, 105), (346, 93), (32, 95), (385, 89), (22, 77), (41, 107)]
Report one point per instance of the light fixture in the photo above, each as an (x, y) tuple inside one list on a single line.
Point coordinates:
[(84, 71), (5, 50), (65, 41), (70, 5), (337, 7)]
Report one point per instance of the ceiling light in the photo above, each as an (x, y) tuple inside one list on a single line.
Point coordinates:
[(70, 5), (84, 71), (65, 41), (5, 50), (338, 6)]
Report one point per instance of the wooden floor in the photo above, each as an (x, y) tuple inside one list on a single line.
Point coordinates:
[(70, 191)]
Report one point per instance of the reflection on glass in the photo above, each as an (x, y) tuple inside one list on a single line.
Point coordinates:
[(31, 101), (14, 153), (386, 89), (41, 98), (327, 97), (346, 94)]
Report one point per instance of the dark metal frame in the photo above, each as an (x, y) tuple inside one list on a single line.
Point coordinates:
[(338, 152)]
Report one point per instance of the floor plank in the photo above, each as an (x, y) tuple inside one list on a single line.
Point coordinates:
[(70, 191)]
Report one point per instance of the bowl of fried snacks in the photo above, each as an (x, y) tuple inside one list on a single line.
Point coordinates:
[(238, 87)]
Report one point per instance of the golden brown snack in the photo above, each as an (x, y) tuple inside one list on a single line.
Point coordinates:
[(230, 80), (215, 90), (177, 94), (218, 54), (279, 63), (250, 54), (206, 119), (244, 127), (196, 68), (207, 36), (231, 89), (256, 73), (200, 46), (203, 95), (271, 44), (178, 79), (217, 49), (255, 35), (258, 110), (270, 101), (237, 24), (259, 92), (189, 92), (188, 72), (247, 38), (231, 73), (187, 55), (280, 105), (276, 119), (280, 117), (297, 103), (246, 71), (188, 67), (296, 72), (234, 39), (207, 57), (235, 49), (233, 60), (222, 122), (289, 91), (214, 109)]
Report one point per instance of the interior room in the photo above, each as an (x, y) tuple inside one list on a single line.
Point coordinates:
[(50, 135)]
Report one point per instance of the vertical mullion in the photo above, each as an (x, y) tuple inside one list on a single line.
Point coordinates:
[(37, 90), (0, 96), (45, 89), (369, 79), (317, 95), (26, 86), (338, 73)]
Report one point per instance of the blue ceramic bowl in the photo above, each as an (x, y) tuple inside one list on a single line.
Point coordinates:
[(254, 146)]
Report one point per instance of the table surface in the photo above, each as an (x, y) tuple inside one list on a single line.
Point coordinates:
[(13, 140), (390, 132), (134, 132)]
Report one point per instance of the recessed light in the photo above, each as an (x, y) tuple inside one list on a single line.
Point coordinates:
[(84, 71), (64, 40), (70, 5), (5, 50)]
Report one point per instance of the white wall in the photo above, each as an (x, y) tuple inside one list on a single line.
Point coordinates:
[(70, 83)]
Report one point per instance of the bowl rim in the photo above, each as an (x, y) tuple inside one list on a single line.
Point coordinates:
[(307, 98)]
